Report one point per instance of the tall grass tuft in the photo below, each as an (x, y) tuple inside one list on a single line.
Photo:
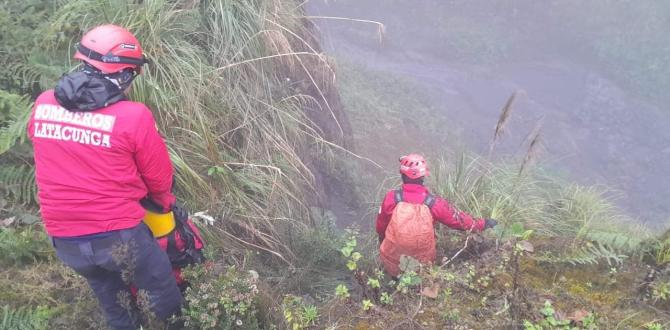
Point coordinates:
[(484, 190), (572, 216)]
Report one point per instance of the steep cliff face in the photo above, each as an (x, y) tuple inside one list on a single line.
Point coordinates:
[(314, 77)]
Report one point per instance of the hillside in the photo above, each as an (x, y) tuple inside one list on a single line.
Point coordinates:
[(277, 148)]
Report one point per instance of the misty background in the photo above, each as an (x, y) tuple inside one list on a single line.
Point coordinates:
[(593, 75)]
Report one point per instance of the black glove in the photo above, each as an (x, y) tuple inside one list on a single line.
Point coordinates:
[(180, 213), (490, 223)]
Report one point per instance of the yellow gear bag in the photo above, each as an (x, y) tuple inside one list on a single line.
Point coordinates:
[(160, 224)]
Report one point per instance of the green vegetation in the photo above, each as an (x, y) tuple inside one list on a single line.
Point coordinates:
[(25, 318), (221, 300), (25, 244), (252, 120), (297, 314), (588, 321), (556, 240), (587, 226)]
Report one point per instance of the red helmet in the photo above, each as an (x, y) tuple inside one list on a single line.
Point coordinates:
[(110, 48), (413, 166)]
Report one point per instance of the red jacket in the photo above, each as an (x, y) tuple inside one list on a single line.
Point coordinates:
[(442, 211), (92, 168)]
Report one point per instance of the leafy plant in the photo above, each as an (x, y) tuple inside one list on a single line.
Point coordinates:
[(348, 251), (517, 230), (654, 326), (311, 314), (660, 291), (590, 321), (549, 320), (373, 283), (349, 246), (549, 312), (342, 292), (297, 315), (408, 280), (367, 304), (386, 298)]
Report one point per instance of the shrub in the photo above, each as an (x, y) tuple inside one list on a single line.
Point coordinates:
[(23, 244), (226, 300)]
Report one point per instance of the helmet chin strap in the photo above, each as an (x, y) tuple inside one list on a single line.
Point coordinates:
[(122, 79)]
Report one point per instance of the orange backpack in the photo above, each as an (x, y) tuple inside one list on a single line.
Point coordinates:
[(410, 232)]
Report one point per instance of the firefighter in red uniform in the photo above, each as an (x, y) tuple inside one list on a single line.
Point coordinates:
[(97, 155), (405, 223)]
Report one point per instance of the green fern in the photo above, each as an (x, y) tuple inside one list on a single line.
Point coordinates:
[(589, 254), (622, 241), (23, 245), (15, 110), (23, 75), (17, 182), (24, 318)]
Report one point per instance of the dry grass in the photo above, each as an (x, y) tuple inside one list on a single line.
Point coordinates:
[(534, 148), (381, 29), (505, 115)]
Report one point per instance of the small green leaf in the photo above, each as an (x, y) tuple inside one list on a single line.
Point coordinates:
[(347, 250), (367, 304), (547, 310), (342, 291), (386, 299), (516, 229), (526, 234)]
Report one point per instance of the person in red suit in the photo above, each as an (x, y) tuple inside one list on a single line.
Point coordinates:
[(97, 154), (406, 219)]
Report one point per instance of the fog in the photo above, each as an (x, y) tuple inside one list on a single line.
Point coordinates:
[(594, 73)]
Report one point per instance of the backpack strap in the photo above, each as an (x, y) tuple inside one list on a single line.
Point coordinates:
[(397, 195), (429, 201)]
